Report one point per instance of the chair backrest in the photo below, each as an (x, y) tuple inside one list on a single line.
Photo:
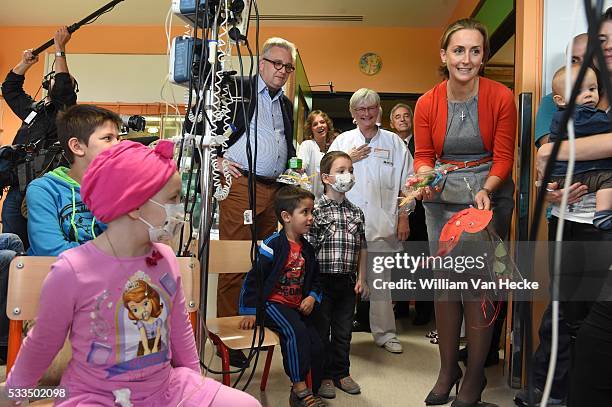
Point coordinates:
[(27, 274), (190, 277), (229, 256)]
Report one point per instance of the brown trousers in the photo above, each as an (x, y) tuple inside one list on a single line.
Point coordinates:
[(232, 227)]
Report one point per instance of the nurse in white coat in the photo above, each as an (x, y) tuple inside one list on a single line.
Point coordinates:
[(318, 133), (381, 166)]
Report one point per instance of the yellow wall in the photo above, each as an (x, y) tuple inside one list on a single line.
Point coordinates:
[(410, 56)]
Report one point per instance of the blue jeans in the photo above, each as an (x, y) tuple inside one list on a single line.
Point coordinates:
[(12, 220), (10, 245)]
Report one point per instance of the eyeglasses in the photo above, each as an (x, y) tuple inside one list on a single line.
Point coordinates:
[(369, 109), (278, 65), (404, 116)]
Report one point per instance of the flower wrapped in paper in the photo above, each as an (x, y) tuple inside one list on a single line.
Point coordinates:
[(292, 177), (417, 182)]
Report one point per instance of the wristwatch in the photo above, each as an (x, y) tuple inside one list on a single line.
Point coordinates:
[(60, 54)]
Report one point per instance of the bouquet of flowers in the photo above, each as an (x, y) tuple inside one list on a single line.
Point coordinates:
[(293, 177), (417, 182)]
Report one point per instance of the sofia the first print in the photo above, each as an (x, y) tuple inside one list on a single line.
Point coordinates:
[(142, 319)]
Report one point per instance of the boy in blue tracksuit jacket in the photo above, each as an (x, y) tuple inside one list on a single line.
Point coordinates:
[(58, 219), (291, 291)]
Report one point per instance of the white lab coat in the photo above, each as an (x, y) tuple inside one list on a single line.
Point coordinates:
[(378, 180)]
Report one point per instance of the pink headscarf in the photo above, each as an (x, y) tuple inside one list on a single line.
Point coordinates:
[(125, 176)]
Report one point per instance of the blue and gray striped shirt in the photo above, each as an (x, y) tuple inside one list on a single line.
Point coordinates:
[(271, 143)]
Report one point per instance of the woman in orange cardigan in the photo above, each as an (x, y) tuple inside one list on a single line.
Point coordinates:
[(469, 121)]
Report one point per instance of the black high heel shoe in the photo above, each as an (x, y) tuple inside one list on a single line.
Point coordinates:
[(435, 399), (459, 403)]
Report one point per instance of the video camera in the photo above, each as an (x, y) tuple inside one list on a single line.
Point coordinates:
[(134, 123), (21, 163)]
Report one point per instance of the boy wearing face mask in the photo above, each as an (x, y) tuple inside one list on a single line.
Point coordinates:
[(338, 236)]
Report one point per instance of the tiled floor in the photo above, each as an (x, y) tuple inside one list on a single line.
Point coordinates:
[(386, 379)]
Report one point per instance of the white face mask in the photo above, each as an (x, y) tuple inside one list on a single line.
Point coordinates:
[(344, 182), (175, 217)]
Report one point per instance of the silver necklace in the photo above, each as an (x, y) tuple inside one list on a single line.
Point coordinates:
[(112, 247)]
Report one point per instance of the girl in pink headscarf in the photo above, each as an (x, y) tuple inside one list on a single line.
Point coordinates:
[(91, 290)]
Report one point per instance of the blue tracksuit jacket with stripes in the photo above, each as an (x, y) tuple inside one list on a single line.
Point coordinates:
[(273, 253)]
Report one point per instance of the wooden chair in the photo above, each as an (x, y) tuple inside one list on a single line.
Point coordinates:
[(27, 273), (232, 256), (26, 276)]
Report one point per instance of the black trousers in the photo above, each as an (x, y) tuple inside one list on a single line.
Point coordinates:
[(541, 356), (573, 277), (335, 322), (300, 342), (591, 376)]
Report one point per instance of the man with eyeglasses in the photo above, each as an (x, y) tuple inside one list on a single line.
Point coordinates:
[(273, 128), (400, 120)]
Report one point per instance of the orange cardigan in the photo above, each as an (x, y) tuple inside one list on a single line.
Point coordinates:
[(496, 119)]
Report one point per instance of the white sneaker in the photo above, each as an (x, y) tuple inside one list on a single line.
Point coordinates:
[(393, 346)]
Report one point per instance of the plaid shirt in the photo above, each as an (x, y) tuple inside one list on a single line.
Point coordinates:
[(337, 234)]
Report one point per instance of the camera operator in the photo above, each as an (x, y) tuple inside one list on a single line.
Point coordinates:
[(38, 125)]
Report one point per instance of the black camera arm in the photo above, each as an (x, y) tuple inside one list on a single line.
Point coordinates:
[(76, 26)]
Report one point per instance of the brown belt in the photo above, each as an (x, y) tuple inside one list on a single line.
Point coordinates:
[(467, 164)]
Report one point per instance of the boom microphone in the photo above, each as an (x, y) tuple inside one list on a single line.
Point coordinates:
[(76, 26)]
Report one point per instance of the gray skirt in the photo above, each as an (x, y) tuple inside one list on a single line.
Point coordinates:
[(455, 196)]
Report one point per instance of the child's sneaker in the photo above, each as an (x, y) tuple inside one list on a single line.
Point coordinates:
[(304, 398), (320, 402), (348, 385), (327, 389)]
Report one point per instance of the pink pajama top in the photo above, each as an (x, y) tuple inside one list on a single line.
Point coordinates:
[(128, 327)]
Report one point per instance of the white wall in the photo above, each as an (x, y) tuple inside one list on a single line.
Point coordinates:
[(126, 78), (558, 15)]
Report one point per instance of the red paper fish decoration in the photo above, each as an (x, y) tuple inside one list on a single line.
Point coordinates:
[(471, 220)]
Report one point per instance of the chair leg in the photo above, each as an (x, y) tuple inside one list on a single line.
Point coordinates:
[(224, 356), (309, 380), (14, 343), (266, 372), (224, 363), (193, 318)]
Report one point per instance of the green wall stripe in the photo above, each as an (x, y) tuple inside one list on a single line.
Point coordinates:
[(493, 12)]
